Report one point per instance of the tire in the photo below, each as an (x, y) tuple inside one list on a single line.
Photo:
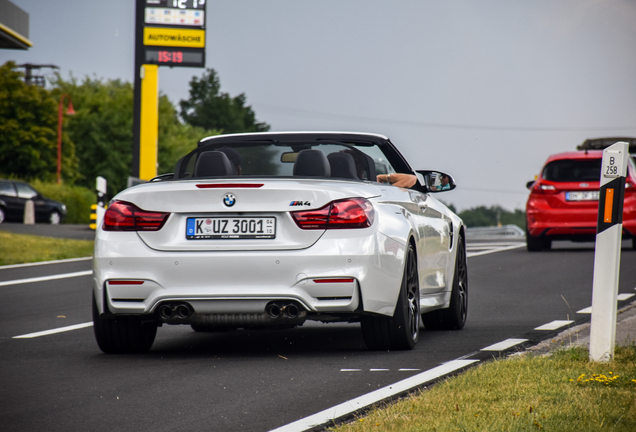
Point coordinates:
[(125, 334), (401, 331), (1, 215), (634, 243), (453, 317), (537, 244), (55, 218), (203, 328)]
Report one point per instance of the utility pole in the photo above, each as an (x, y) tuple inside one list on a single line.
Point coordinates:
[(30, 79)]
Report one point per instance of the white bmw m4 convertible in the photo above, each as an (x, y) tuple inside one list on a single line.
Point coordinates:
[(268, 230)]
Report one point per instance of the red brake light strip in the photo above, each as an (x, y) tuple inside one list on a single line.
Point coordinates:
[(229, 185)]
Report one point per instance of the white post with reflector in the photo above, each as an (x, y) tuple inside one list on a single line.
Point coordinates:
[(608, 252)]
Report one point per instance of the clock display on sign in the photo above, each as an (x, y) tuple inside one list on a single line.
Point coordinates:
[(175, 57)]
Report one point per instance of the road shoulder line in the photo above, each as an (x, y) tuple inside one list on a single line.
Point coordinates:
[(351, 406)]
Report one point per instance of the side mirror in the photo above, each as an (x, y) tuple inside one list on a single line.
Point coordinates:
[(529, 184), (437, 181)]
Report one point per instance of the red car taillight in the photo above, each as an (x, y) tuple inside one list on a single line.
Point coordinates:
[(124, 216), (544, 189), (343, 214)]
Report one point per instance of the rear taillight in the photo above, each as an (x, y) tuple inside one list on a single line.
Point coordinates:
[(124, 216), (543, 188), (343, 214)]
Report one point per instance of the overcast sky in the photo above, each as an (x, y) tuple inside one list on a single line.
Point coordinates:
[(484, 90)]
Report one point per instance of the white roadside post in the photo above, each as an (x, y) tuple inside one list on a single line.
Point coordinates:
[(608, 252), (100, 186)]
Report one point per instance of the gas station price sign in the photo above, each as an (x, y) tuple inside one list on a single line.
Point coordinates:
[(174, 32), (189, 13)]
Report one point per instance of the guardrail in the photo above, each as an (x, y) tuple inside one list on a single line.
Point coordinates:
[(506, 232)]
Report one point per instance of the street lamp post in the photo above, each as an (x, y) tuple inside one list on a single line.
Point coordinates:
[(60, 118)]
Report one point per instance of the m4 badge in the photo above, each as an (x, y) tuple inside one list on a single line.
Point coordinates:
[(299, 203)]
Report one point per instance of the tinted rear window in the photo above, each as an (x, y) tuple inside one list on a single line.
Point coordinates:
[(572, 170)]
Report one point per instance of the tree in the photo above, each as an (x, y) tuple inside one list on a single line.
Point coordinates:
[(209, 108), (28, 130), (101, 129), (175, 138)]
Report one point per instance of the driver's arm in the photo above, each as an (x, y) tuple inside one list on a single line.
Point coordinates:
[(398, 179)]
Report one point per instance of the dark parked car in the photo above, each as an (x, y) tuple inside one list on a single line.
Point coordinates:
[(13, 197)]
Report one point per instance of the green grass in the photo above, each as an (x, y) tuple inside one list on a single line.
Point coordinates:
[(18, 248), (563, 392)]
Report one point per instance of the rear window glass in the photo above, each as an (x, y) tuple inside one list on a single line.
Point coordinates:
[(265, 159), (572, 170)]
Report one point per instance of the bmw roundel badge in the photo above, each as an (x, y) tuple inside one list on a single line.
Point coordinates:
[(229, 199)]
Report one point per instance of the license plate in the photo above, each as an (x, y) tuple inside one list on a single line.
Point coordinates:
[(582, 196), (238, 228)]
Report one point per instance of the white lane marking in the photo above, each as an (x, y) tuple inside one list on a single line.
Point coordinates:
[(350, 370), (622, 297), (408, 370), (495, 249), (378, 370), (54, 331), (554, 325), (46, 278), (504, 345), (370, 398), (587, 310), (46, 262)]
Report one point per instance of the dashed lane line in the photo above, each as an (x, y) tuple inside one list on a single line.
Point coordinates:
[(504, 345), (353, 405), (46, 278), (54, 331), (556, 324)]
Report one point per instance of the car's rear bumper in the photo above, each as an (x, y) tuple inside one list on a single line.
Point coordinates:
[(572, 224), (335, 275)]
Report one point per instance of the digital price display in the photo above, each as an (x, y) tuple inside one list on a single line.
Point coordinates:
[(175, 57), (190, 13), (174, 32)]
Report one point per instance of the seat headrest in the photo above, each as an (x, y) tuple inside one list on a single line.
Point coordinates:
[(342, 165), (213, 164), (371, 171), (311, 163)]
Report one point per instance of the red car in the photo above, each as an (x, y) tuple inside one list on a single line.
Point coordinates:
[(563, 201)]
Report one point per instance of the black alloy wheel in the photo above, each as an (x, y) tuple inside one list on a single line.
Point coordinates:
[(402, 330), (453, 317), (55, 218)]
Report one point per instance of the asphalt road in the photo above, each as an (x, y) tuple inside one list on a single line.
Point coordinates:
[(254, 380)]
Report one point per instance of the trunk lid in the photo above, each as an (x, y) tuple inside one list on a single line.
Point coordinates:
[(230, 215)]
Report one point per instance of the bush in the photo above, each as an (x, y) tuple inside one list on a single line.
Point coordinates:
[(78, 200)]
